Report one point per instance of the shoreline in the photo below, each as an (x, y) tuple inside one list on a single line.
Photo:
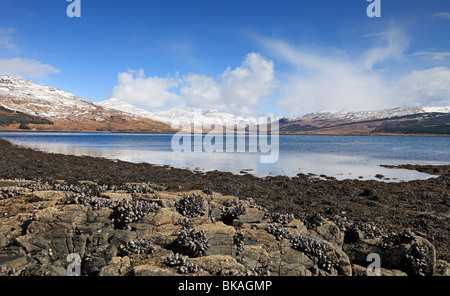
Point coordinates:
[(421, 206), (205, 133), (395, 205)]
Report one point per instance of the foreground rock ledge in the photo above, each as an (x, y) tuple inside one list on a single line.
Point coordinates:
[(143, 230)]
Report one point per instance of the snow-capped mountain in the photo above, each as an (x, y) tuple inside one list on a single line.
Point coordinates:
[(22, 95), (347, 115), (67, 111), (178, 116)]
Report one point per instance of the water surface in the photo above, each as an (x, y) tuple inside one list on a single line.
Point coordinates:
[(342, 157)]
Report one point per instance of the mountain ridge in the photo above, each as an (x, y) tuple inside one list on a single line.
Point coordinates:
[(71, 113)]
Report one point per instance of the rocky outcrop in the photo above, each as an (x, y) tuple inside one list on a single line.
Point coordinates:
[(146, 231)]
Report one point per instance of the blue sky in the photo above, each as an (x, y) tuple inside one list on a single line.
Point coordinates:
[(247, 57)]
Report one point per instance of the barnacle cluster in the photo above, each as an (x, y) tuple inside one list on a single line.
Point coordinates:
[(90, 189), (136, 188), (181, 262), (238, 240), (317, 249), (279, 231), (341, 222), (138, 246), (192, 242), (417, 259), (313, 220), (368, 228), (191, 205), (253, 204), (126, 211), (282, 218), (86, 200), (6, 193), (231, 213)]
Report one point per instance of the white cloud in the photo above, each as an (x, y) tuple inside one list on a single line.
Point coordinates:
[(393, 44), (432, 55), (329, 80), (326, 82), (26, 68), (443, 15), (146, 92), (255, 78), (200, 90), (238, 90), (429, 87)]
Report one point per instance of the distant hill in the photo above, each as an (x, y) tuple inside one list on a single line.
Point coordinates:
[(61, 111), (26, 105), (404, 120)]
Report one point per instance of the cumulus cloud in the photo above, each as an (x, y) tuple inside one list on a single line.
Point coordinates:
[(236, 90), (26, 68), (146, 92)]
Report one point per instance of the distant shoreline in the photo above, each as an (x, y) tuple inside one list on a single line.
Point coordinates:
[(281, 133)]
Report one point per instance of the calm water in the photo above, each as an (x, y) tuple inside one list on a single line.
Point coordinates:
[(343, 157)]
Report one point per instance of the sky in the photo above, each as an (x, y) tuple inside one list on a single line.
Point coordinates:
[(247, 57)]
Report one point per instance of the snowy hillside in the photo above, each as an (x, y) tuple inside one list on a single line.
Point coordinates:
[(347, 115), (25, 96), (176, 116)]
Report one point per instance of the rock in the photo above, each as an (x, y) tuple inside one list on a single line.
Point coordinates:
[(218, 264), (119, 266), (252, 215), (220, 238), (359, 270), (415, 257), (152, 270), (114, 196), (237, 237), (162, 216), (330, 232)]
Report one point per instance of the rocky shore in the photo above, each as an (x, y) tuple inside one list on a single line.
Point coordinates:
[(140, 219), (143, 229)]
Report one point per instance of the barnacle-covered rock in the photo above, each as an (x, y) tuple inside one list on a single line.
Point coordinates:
[(126, 212), (138, 246), (314, 220), (362, 230), (191, 206), (231, 213), (317, 249), (6, 193), (238, 240), (282, 218), (279, 231), (182, 263), (192, 242)]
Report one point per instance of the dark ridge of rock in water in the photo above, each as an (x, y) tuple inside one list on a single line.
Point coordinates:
[(191, 233)]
